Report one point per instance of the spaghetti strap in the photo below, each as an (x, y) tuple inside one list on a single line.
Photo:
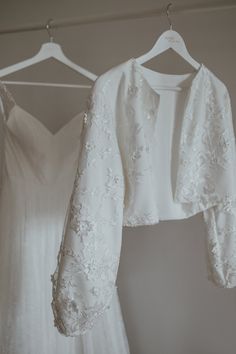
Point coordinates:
[(7, 101)]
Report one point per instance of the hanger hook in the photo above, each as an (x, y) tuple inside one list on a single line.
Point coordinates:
[(48, 28), (168, 14)]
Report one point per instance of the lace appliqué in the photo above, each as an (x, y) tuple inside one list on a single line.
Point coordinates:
[(207, 157), (204, 148), (221, 242), (84, 281), (72, 313), (139, 111), (141, 220)]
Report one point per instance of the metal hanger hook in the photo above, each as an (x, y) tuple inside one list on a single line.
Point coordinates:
[(168, 14), (48, 28)]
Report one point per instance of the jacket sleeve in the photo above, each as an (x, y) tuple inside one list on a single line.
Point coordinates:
[(220, 219), (84, 281)]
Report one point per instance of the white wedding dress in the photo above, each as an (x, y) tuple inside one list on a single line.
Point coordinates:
[(37, 174)]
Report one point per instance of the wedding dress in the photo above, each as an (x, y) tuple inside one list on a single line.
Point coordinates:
[(37, 174)]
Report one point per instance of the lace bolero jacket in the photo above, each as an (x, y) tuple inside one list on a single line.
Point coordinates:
[(147, 155)]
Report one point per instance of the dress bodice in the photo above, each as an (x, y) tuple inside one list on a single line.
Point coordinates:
[(45, 155)]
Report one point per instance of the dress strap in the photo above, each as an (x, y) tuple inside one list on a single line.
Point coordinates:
[(6, 100)]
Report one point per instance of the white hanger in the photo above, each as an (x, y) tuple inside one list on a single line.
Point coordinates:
[(47, 50), (169, 39)]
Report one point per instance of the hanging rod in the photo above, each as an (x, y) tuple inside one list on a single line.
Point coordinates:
[(200, 7)]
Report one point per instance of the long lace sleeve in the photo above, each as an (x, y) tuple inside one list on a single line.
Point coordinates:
[(84, 281), (221, 218)]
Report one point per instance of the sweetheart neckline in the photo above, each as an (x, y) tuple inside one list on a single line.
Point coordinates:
[(42, 125)]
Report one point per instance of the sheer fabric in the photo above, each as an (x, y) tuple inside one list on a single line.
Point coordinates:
[(147, 155), (37, 173)]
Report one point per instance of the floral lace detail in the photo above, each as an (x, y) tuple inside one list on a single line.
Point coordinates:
[(135, 128), (204, 147), (206, 177), (228, 205), (207, 157), (76, 316), (84, 281), (140, 220), (221, 242)]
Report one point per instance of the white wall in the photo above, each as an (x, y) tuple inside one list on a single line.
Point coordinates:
[(169, 306)]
